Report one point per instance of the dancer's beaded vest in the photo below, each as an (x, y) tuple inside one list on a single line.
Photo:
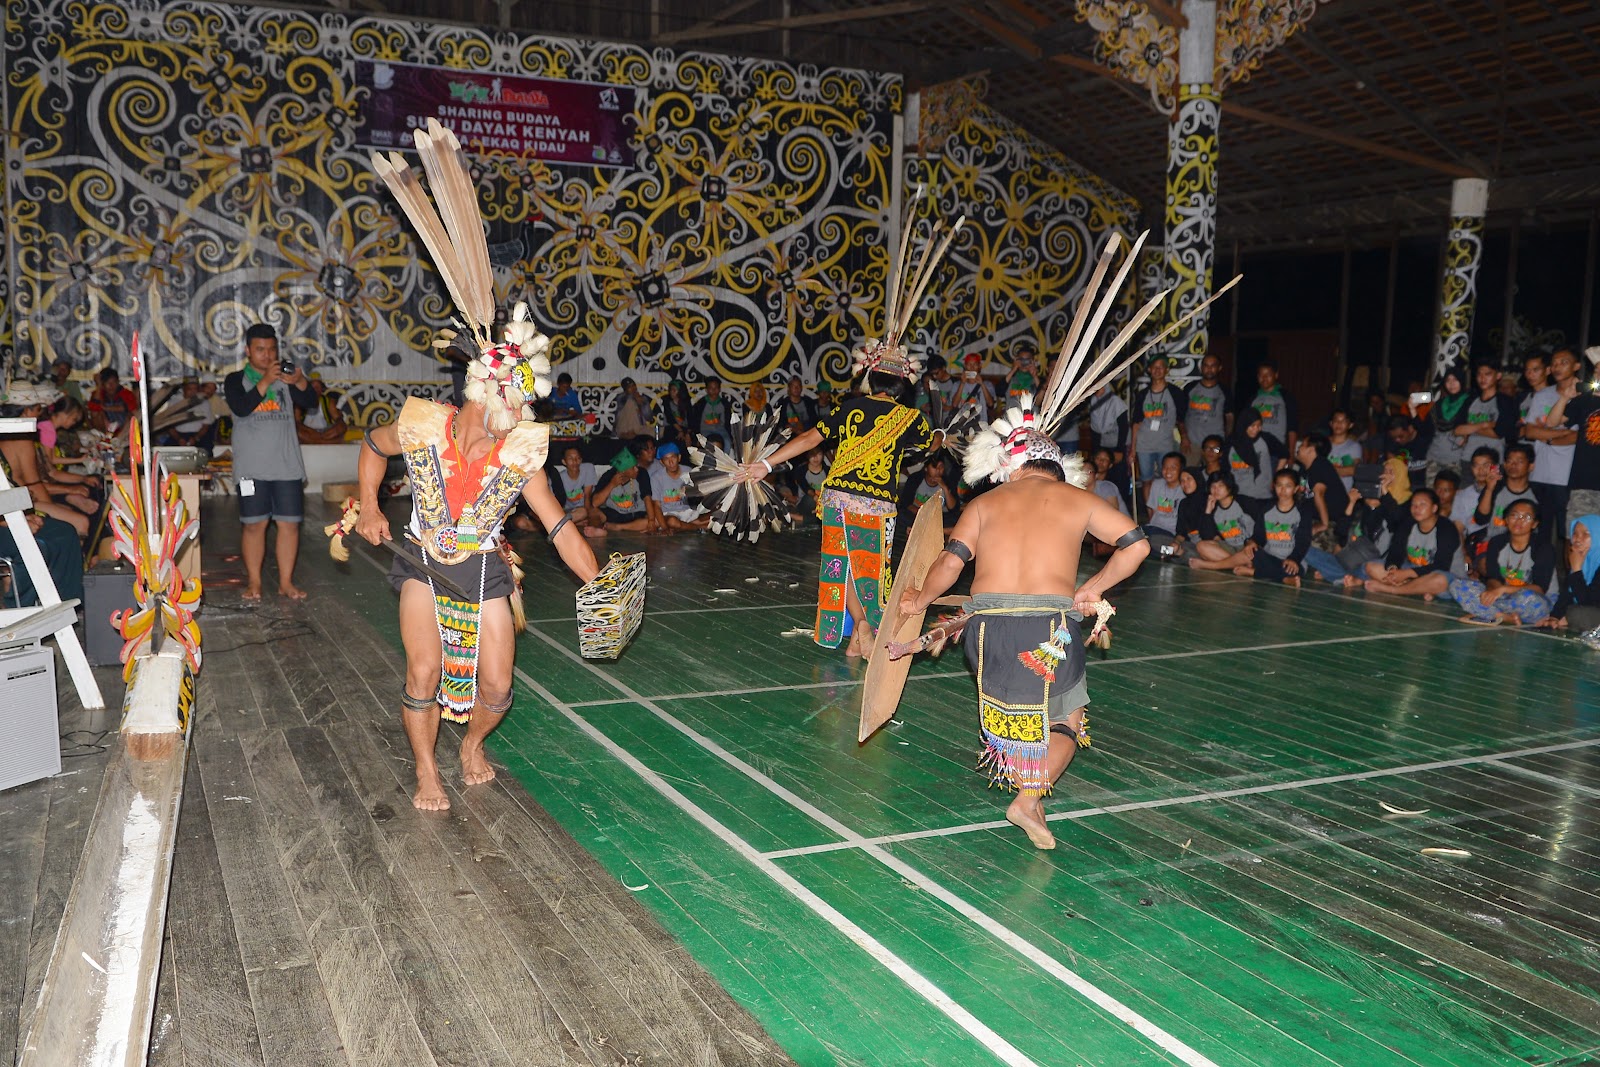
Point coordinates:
[(456, 512)]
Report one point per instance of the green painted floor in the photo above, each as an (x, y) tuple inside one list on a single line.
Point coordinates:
[(1227, 888)]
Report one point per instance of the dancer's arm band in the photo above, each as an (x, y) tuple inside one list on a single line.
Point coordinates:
[(1132, 537), (375, 449), (765, 464), (959, 551), (551, 536)]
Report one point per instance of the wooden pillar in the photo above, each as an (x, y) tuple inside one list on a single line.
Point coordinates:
[(1586, 304), (1458, 293), (1388, 313), (1191, 214), (1511, 292), (1342, 361)]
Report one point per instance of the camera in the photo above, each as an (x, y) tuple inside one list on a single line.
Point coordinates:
[(286, 366)]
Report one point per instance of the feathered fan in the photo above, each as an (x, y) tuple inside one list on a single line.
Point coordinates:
[(960, 427), (743, 509)]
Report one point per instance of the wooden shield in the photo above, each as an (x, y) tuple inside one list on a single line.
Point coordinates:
[(886, 678)]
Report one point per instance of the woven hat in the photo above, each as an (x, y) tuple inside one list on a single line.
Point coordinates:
[(32, 394)]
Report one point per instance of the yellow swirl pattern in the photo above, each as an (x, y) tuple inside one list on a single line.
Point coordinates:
[(189, 168), (1191, 220), (1463, 253), (1035, 221)]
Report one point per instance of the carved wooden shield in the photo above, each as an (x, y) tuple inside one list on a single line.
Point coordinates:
[(886, 678)]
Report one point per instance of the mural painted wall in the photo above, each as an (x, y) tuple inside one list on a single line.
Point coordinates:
[(1035, 223), (187, 169)]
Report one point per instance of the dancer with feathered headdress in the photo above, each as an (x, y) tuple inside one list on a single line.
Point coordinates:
[(1024, 538), (871, 434), (459, 598)]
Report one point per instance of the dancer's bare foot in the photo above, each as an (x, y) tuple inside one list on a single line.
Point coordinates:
[(430, 791), (251, 593), (475, 767), (860, 645), (291, 592), (1027, 814)]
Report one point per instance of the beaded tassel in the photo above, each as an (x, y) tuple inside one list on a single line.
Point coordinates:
[(1043, 660)]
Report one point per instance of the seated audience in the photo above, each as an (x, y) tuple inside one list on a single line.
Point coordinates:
[(711, 415), (1282, 535), (1420, 554), (1371, 525), (63, 558), (564, 398), (1213, 455), (1446, 487), (1101, 473), (669, 485), (1191, 511), (1344, 448), (1507, 484), (678, 414), (1408, 440), (323, 423), (1253, 457), (1578, 607), (801, 483), (624, 495), (1517, 574), (573, 483), (919, 491), (1162, 497), (796, 411), (1225, 536), (1324, 490)]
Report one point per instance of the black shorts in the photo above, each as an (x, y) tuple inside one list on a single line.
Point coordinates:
[(613, 515), (283, 501), (496, 573)]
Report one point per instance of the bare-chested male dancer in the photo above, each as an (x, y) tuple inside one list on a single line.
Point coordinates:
[(1023, 539)]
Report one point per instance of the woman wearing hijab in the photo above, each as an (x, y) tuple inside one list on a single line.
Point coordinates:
[(1448, 449), (1519, 568), (1254, 456), (1578, 607), (675, 413)]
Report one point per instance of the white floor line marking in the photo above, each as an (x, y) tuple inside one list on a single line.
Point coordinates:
[(1196, 798), (1096, 665), (1540, 776), (707, 610), (1003, 1050), (1381, 601), (1167, 1042)]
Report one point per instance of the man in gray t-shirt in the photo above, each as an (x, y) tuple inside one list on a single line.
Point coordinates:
[(267, 467), (1207, 414)]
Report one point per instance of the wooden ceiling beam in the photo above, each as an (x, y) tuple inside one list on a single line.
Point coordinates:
[(738, 7), (797, 22), (1360, 144)]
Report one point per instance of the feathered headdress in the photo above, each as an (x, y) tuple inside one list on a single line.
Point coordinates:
[(1001, 448), (888, 354), (507, 376)]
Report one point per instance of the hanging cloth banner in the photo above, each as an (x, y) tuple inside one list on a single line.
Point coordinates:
[(586, 123)]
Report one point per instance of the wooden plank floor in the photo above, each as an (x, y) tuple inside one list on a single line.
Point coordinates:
[(316, 918), (1227, 889), (687, 851)]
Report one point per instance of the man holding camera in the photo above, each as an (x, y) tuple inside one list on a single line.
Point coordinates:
[(267, 465)]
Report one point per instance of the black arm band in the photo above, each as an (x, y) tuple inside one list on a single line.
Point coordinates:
[(551, 536), (959, 551), (1132, 537), (367, 437)]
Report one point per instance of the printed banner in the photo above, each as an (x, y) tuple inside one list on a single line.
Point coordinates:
[(498, 114)]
